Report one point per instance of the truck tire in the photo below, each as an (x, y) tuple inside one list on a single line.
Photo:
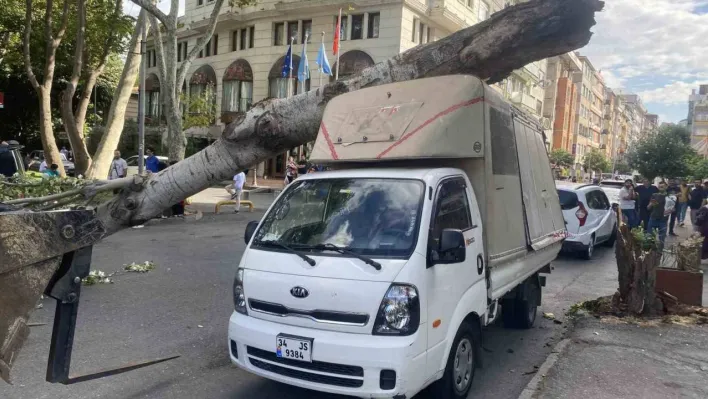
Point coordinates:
[(461, 364), (520, 310)]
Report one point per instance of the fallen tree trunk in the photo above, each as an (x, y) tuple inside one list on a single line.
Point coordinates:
[(491, 50)]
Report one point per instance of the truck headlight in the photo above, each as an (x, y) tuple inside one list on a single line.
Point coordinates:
[(239, 295), (399, 312)]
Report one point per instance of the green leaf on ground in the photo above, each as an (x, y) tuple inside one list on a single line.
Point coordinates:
[(140, 267)]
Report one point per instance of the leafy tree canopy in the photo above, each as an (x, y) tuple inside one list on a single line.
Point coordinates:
[(561, 157), (663, 153), (596, 161)]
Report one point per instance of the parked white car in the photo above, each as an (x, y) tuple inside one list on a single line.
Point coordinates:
[(589, 218)]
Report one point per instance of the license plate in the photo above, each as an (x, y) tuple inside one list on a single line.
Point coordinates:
[(295, 348)]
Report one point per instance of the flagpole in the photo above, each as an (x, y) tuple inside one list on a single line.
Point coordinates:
[(306, 67), (319, 83), (290, 69), (339, 47)]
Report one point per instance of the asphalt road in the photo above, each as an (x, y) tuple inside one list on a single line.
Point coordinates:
[(182, 307)]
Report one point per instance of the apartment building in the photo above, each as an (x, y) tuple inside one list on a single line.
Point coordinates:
[(616, 125), (697, 121), (636, 113), (560, 99), (591, 97), (243, 62)]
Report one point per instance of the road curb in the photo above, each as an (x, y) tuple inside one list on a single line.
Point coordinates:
[(535, 383)]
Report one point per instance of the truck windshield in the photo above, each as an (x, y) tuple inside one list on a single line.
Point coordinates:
[(374, 217)]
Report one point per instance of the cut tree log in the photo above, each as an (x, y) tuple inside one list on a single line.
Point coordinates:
[(491, 50), (636, 272)]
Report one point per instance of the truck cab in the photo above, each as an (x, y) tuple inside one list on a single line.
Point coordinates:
[(375, 279)]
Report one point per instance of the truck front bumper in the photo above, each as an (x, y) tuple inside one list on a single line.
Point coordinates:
[(342, 363)]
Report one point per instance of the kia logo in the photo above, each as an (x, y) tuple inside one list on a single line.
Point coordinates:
[(299, 292)]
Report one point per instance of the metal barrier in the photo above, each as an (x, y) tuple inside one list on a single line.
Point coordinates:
[(249, 204)]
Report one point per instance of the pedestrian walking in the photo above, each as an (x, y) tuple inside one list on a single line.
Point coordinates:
[(658, 216), (627, 198), (7, 161), (65, 152), (290, 171), (237, 189), (644, 192), (696, 199), (682, 204)]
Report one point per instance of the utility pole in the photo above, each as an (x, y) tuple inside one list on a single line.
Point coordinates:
[(141, 105)]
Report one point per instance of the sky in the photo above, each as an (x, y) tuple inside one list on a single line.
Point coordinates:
[(654, 48)]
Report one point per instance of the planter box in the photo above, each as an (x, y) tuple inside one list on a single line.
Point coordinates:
[(686, 286)]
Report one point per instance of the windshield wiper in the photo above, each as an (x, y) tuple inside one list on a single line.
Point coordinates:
[(304, 257), (346, 251)]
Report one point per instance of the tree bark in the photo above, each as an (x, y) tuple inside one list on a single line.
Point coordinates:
[(636, 272), (172, 73), (490, 50), (44, 89), (116, 115)]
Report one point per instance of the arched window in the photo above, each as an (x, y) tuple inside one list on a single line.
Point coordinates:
[(351, 63), (278, 85), (202, 83), (237, 87)]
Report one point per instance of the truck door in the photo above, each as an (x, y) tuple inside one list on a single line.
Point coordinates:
[(455, 207)]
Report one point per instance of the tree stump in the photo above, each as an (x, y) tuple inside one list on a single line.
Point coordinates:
[(637, 262)]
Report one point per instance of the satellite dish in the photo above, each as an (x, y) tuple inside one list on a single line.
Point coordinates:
[(545, 122)]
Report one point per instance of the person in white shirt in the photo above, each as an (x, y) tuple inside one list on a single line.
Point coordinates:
[(119, 168), (627, 198), (236, 188), (43, 166)]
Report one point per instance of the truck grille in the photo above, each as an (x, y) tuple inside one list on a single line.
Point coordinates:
[(320, 316), (331, 368)]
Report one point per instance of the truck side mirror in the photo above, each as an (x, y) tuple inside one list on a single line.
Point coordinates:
[(250, 230), (451, 247)]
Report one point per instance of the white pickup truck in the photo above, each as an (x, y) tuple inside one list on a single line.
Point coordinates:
[(375, 279)]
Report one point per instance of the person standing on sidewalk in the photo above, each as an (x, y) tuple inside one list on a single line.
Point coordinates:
[(695, 201), (239, 181), (672, 192), (645, 191), (682, 202), (627, 198), (658, 217), (152, 163)]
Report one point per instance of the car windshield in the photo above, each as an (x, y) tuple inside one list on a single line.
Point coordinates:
[(377, 217)]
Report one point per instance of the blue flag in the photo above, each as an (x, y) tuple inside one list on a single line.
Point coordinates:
[(303, 70), (287, 64), (322, 61)]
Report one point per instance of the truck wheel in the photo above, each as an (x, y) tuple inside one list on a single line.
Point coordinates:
[(518, 313), (461, 364)]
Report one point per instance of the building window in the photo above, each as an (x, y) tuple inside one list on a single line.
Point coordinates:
[(251, 36), (200, 2), (470, 3), (414, 30), (279, 87), (243, 39), (307, 31), (357, 27), (207, 48), (278, 32), (427, 34), (539, 107), (237, 96), (483, 12), (215, 39), (343, 28), (153, 104), (234, 40), (421, 33), (374, 21), (181, 51), (292, 32)]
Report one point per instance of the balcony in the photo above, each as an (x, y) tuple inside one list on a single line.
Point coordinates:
[(524, 100)]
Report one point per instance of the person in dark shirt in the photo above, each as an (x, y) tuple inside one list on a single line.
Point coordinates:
[(7, 161), (695, 201), (675, 190), (152, 163), (657, 217), (645, 191)]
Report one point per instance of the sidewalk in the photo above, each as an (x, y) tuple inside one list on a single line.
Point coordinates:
[(607, 358), (205, 201), (615, 360)]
